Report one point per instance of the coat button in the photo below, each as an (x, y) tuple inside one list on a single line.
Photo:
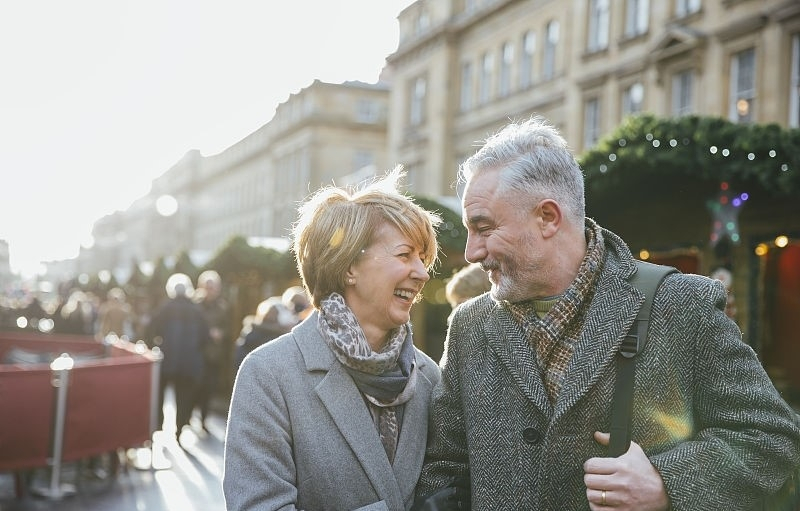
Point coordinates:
[(531, 436)]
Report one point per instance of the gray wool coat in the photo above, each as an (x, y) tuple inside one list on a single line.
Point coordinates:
[(705, 411), (301, 437)]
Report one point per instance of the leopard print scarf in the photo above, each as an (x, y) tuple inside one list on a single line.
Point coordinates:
[(387, 378)]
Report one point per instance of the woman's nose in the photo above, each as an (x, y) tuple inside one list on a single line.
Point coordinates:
[(419, 271)]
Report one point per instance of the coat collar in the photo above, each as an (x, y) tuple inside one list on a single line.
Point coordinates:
[(610, 314), (344, 402)]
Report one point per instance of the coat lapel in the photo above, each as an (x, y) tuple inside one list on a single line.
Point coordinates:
[(509, 344), (608, 319), (342, 399), (413, 432)]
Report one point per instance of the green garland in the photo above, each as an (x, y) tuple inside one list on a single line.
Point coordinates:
[(657, 151)]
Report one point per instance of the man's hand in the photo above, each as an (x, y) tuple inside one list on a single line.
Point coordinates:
[(629, 482)]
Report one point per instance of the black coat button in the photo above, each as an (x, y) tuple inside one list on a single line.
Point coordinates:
[(531, 436)]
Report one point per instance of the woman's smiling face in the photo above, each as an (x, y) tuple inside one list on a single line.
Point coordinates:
[(385, 281)]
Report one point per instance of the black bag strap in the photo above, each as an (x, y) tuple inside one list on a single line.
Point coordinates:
[(646, 279)]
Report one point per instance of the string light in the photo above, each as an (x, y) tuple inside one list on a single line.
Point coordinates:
[(726, 205)]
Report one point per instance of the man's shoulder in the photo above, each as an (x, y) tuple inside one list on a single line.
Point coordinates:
[(473, 313)]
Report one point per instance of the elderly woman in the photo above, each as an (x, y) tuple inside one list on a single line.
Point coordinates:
[(333, 415)]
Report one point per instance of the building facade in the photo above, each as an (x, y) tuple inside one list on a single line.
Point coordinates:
[(463, 68), (326, 133)]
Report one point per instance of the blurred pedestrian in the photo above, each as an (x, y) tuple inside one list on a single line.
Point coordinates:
[(179, 328), (114, 316), (77, 315), (333, 415), (725, 276), (262, 327), (296, 301), (468, 282), (216, 353)]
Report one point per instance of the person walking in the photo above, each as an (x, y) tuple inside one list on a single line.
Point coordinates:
[(114, 316), (217, 354), (180, 330), (524, 405), (334, 414)]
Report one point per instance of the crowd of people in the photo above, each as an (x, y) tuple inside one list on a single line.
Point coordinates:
[(191, 326)]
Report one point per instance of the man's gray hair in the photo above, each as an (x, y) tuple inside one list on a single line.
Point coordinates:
[(535, 163)]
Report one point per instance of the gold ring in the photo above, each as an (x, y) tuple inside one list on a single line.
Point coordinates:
[(603, 497)]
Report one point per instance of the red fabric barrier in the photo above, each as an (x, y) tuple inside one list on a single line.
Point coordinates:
[(27, 409), (54, 344), (108, 406), (108, 400)]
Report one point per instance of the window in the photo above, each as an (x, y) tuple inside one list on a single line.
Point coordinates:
[(591, 122), (466, 86), (422, 21), (794, 88), (743, 86), (526, 62), (682, 93), (637, 16), (598, 25), (506, 61), (417, 109), (550, 44), (686, 7), (367, 111), (485, 84), (632, 99)]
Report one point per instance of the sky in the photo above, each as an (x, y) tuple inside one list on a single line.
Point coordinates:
[(100, 97)]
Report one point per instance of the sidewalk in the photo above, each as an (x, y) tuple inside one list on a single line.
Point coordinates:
[(178, 479)]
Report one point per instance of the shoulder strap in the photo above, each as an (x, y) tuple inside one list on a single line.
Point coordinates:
[(646, 279)]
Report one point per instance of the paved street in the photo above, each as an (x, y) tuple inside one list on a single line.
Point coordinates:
[(173, 479)]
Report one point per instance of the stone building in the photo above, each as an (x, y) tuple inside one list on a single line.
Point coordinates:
[(324, 133), (464, 67)]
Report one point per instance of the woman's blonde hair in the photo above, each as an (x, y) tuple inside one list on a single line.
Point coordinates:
[(334, 225)]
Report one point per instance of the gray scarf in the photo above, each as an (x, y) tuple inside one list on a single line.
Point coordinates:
[(387, 378)]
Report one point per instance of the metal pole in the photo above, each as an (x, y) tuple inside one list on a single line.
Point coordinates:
[(61, 368), (155, 382)]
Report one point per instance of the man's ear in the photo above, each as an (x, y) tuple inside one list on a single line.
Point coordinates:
[(548, 216)]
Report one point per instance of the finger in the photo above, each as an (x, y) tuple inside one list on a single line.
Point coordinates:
[(602, 438), (595, 498), (596, 481), (600, 466)]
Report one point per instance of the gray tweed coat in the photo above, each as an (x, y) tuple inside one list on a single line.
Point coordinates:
[(705, 411), (301, 437)]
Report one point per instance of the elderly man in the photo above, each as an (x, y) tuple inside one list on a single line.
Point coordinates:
[(524, 405)]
